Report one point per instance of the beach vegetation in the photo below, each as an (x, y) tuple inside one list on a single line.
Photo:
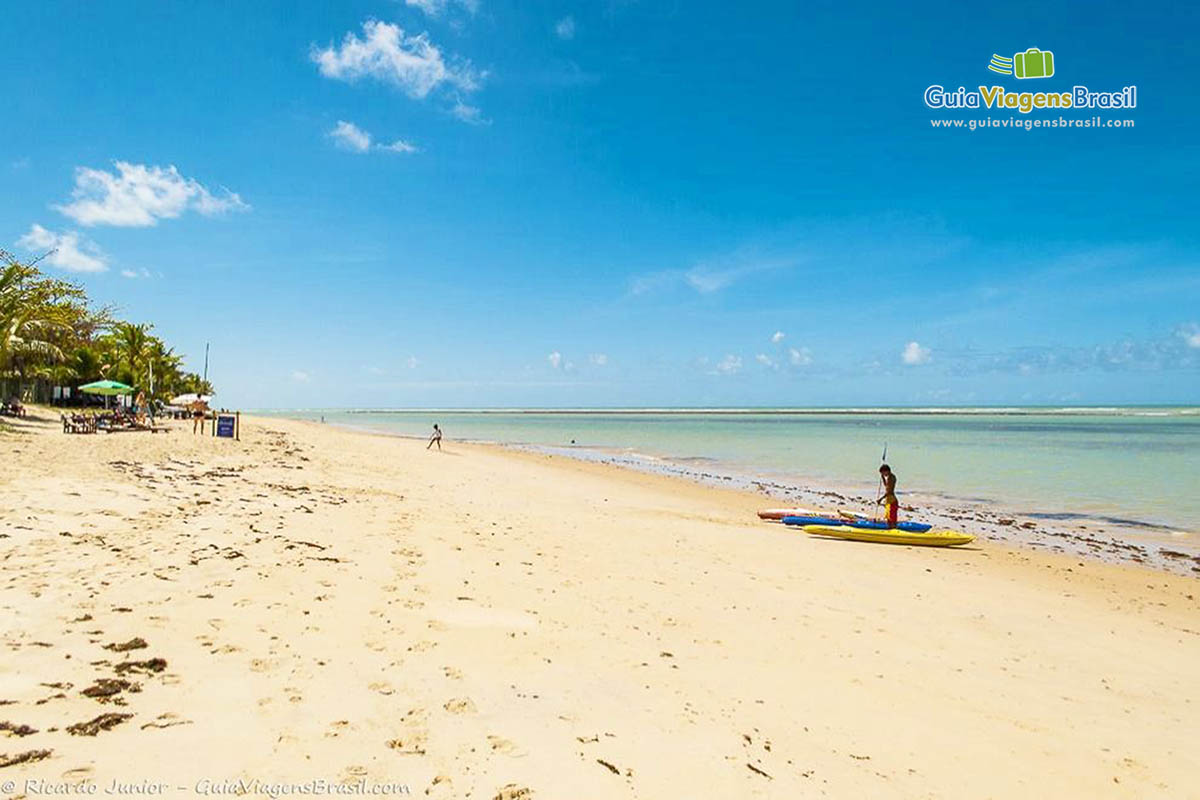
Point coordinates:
[(51, 335)]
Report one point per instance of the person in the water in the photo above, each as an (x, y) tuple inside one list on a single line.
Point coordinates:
[(890, 504)]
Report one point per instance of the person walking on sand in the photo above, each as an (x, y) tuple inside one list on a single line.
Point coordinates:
[(199, 412), (890, 504), (436, 437)]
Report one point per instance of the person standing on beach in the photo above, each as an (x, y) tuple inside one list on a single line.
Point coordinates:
[(890, 504), (436, 437)]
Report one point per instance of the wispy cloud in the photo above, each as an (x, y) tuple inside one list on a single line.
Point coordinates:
[(349, 136), (137, 195), (777, 337), (1174, 350), (565, 28), (411, 63), (436, 8), (729, 365), (914, 354), (598, 359), (399, 146), (72, 251), (799, 356), (708, 277), (134, 274), (468, 113), (300, 376), (555, 359)]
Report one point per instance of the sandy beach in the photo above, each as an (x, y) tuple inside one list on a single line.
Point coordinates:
[(313, 604)]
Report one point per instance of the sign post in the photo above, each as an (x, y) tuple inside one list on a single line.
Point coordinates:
[(229, 426)]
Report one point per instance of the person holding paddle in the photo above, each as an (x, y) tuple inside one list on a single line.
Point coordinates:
[(887, 479)]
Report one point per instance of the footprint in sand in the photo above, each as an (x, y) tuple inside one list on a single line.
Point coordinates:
[(460, 705), (409, 744), (336, 728), (514, 792), (501, 745), (383, 688), (441, 786), (353, 772), (453, 673)]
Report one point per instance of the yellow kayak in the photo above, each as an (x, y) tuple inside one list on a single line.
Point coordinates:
[(892, 536)]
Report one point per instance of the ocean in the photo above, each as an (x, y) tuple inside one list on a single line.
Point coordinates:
[(1139, 465)]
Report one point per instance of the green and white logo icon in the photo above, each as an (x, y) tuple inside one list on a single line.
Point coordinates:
[(1033, 63)]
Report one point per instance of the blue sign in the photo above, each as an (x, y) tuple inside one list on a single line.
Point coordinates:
[(226, 425)]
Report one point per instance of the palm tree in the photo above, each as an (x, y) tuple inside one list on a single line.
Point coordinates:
[(37, 315), (133, 349)]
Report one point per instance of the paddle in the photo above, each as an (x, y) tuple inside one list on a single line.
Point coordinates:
[(880, 491)]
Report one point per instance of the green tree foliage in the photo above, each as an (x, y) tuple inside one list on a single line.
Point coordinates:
[(50, 336)]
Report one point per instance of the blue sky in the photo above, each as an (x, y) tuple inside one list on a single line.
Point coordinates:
[(452, 203)]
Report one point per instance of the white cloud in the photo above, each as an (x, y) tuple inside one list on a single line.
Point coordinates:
[(729, 365), (1191, 335), (565, 28), (133, 274), (299, 376), (468, 113), (399, 146), (349, 136), (764, 359), (799, 357), (914, 354), (72, 251), (412, 362), (435, 8), (555, 359), (386, 53), (777, 337), (598, 359), (374, 370), (138, 196), (707, 278)]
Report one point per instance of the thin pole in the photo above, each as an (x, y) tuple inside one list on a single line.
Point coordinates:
[(205, 362)]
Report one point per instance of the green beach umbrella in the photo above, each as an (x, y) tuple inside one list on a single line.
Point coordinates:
[(107, 388)]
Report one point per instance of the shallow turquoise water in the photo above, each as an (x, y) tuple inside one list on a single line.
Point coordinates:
[(1138, 464)]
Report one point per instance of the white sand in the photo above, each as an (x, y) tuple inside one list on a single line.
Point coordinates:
[(477, 622)]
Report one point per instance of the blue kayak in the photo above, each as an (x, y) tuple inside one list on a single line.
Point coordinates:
[(813, 521), (908, 527), (861, 524)]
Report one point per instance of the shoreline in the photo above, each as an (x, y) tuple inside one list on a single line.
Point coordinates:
[(1151, 544), (319, 603)]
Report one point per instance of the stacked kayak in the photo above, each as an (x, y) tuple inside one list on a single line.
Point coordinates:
[(897, 535), (779, 513), (856, 523)]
